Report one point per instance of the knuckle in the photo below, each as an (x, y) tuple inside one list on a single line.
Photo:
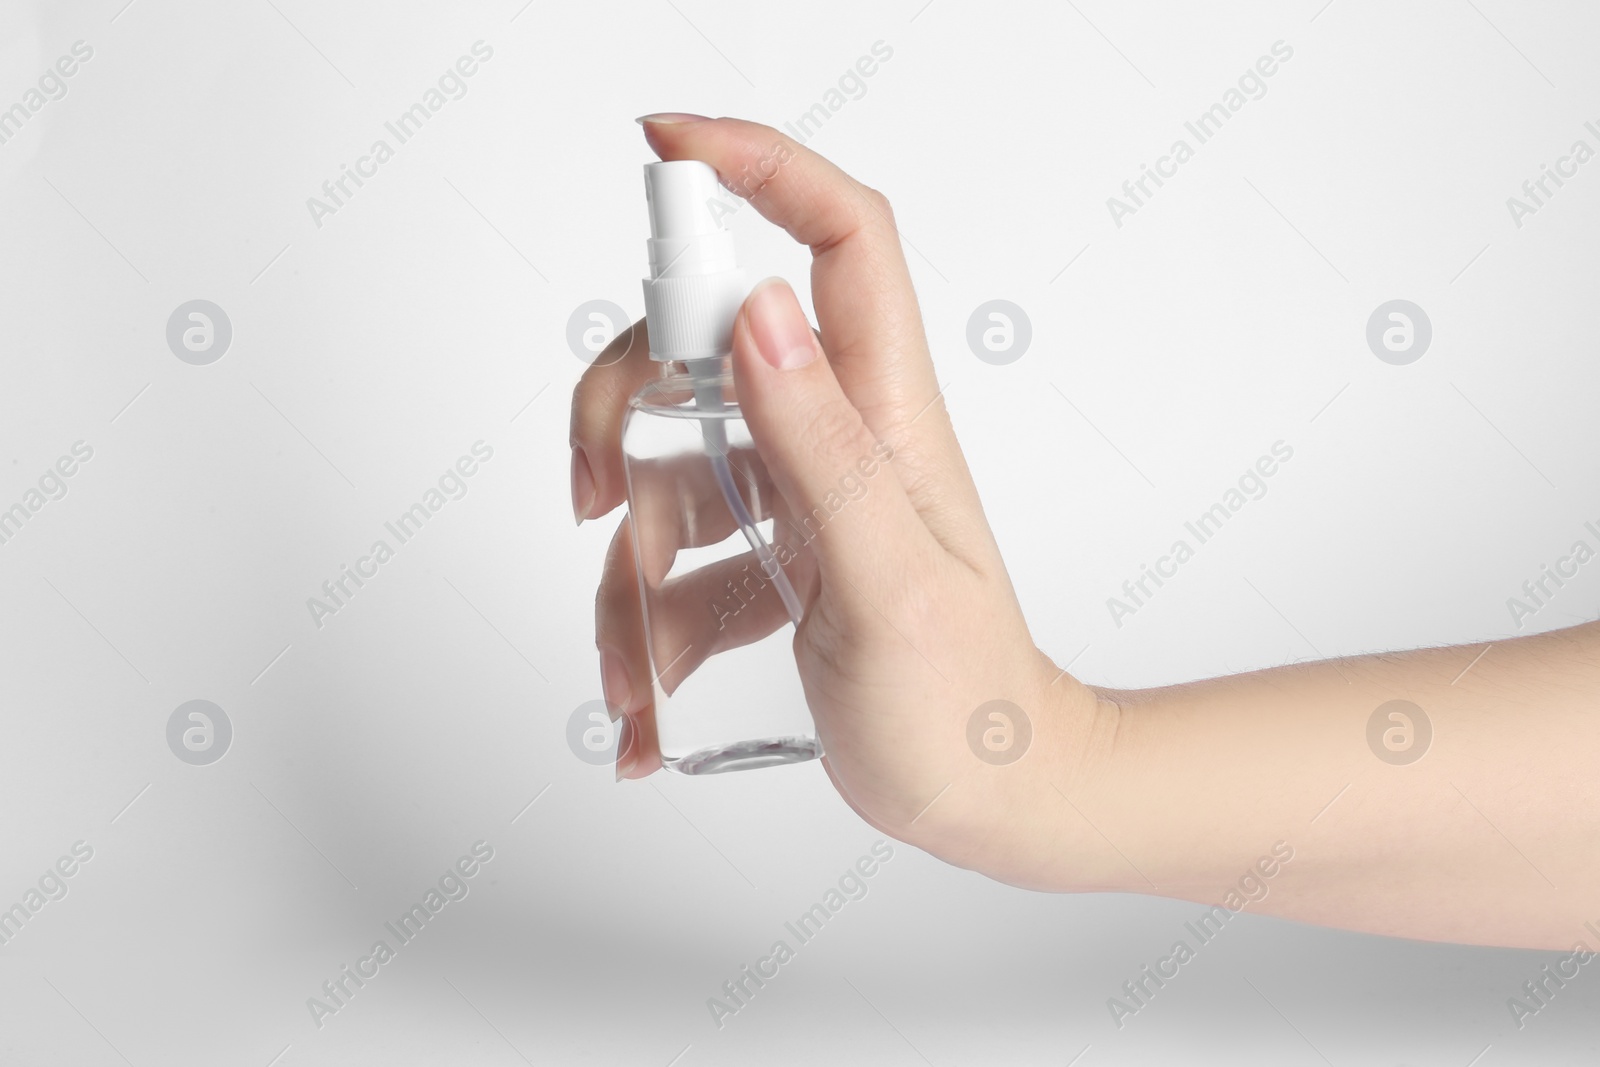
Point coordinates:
[(879, 203), (616, 573), (630, 341), (605, 383), (833, 432), (575, 420), (589, 398)]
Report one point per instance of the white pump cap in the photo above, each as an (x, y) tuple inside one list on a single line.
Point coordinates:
[(695, 285), (678, 193)]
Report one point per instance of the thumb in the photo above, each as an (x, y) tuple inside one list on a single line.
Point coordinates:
[(834, 473)]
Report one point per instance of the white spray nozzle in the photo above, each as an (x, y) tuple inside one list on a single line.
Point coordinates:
[(695, 285), (679, 194)]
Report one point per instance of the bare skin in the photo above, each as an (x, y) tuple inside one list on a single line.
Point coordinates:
[(1185, 791)]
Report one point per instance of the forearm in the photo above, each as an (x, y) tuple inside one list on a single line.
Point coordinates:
[(1490, 837)]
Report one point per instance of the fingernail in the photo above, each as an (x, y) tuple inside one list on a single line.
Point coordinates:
[(778, 326), (670, 118), (582, 485), (614, 681), (625, 759)]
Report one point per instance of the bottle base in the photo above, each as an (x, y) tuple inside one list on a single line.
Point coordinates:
[(746, 755)]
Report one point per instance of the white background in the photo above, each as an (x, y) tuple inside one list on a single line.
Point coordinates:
[(430, 312)]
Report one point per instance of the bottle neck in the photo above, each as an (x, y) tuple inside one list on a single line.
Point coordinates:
[(715, 367)]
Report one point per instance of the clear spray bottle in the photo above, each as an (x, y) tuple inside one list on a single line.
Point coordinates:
[(716, 585)]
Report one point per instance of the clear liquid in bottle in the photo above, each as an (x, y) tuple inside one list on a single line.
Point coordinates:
[(717, 625)]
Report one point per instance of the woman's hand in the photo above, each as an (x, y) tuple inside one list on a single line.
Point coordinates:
[(911, 624)]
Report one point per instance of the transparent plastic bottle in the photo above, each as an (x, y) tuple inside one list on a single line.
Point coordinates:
[(718, 565)]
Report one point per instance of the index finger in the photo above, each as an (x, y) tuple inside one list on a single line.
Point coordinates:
[(866, 308)]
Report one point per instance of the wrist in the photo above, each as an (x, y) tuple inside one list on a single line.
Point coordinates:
[(1021, 822), (1062, 846)]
